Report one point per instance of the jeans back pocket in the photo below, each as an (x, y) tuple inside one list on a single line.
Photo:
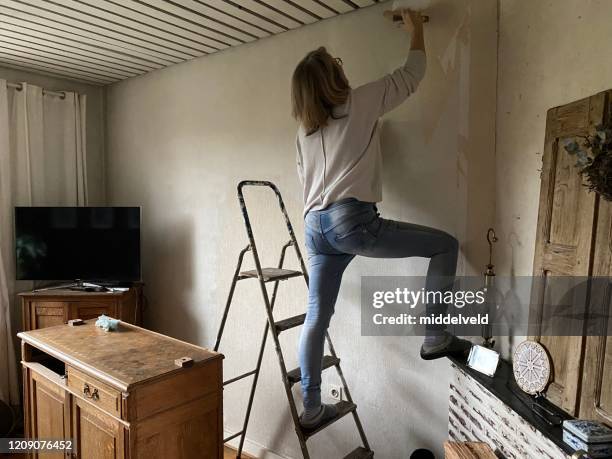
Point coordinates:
[(357, 234)]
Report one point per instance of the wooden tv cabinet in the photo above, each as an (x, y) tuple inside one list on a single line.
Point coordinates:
[(120, 395), (47, 308)]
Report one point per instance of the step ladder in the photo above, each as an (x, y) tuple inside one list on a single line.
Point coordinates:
[(289, 378)]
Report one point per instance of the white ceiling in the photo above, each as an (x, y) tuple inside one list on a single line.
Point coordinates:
[(103, 41)]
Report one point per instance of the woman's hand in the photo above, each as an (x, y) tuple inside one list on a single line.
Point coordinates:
[(413, 24), (412, 20)]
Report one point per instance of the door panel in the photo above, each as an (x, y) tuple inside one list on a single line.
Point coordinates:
[(605, 386), (97, 435), (568, 198), (92, 310), (564, 240), (49, 314), (174, 434), (47, 413)]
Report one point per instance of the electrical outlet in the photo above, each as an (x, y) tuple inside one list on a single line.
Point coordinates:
[(335, 392)]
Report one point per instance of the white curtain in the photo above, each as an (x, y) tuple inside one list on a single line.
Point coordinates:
[(42, 163)]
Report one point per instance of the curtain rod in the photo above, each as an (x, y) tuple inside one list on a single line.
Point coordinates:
[(19, 87)]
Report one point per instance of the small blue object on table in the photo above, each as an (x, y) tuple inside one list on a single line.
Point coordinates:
[(107, 323)]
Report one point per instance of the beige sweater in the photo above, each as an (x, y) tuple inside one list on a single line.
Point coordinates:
[(343, 159)]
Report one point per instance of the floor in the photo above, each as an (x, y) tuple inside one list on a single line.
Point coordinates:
[(231, 454), (228, 454)]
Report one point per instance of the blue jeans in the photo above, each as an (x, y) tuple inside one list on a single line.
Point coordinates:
[(333, 237)]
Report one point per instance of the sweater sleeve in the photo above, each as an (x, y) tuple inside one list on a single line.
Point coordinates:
[(386, 93), (300, 167)]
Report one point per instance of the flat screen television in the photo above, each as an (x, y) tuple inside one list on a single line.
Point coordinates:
[(84, 243)]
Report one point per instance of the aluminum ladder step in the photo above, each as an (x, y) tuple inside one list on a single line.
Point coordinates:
[(289, 323), (270, 274), (295, 375), (343, 408), (360, 453)]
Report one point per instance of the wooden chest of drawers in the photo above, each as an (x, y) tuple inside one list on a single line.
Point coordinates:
[(47, 308), (120, 394)]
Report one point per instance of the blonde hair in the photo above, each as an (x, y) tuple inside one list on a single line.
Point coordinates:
[(317, 86)]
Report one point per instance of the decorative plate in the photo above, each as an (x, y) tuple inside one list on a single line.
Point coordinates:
[(531, 367)]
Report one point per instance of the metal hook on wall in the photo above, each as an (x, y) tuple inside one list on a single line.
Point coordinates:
[(491, 238), (489, 286)]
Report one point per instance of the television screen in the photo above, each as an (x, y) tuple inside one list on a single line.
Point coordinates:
[(86, 243)]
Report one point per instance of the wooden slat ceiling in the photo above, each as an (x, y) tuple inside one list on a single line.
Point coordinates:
[(104, 41)]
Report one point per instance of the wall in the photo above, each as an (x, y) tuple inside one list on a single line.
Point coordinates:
[(548, 56), (180, 139)]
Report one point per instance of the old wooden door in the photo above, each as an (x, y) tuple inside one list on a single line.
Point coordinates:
[(565, 236), (596, 387)]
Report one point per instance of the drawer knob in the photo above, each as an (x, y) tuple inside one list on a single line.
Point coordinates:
[(94, 395)]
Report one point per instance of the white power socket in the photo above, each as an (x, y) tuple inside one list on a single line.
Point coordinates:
[(335, 392)]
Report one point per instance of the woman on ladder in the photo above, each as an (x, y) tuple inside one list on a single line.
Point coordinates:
[(339, 166)]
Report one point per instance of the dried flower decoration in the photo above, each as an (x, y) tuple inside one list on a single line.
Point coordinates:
[(594, 159)]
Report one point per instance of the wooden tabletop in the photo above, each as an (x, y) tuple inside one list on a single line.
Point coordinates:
[(126, 357)]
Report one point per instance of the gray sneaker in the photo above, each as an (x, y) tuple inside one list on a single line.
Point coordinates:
[(326, 412)]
